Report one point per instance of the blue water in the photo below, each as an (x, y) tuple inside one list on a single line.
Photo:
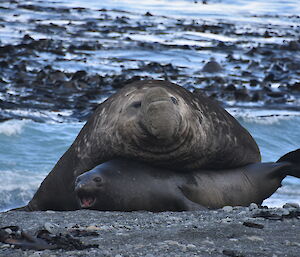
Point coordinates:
[(29, 150)]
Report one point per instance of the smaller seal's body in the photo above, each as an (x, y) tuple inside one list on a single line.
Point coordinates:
[(123, 185)]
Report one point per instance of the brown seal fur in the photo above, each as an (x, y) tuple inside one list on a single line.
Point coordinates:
[(153, 121)]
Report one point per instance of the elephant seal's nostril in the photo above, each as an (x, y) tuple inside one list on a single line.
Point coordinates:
[(174, 100)]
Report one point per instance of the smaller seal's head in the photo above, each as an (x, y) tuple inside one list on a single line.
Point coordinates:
[(100, 188), (86, 187)]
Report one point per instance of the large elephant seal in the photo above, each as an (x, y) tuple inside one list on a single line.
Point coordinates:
[(124, 185), (152, 121)]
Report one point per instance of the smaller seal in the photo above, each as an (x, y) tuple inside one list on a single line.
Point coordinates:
[(126, 185)]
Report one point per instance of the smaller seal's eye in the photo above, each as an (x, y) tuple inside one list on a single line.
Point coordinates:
[(174, 100), (137, 104)]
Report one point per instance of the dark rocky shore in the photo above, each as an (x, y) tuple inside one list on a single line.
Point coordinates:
[(227, 232), (60, 62)]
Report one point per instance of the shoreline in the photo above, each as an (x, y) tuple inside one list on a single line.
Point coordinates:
[(231, 231)]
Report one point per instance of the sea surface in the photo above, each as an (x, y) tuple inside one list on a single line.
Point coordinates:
[(29, 149)]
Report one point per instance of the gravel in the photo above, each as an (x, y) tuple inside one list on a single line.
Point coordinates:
[(226, 232)]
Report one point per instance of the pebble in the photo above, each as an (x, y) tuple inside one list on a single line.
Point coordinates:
[(8, 230), (291, 205), (5, 246), (253, 225), (93, 228), (212, 66), (171, 242), (36, 254), (191, 246), (285, 212), (226, 220), (253, 206), (227, 208), (242, 213), (255, 238), (289, 243), (208, 242), (232, 253), (51, 227), (50, 212)]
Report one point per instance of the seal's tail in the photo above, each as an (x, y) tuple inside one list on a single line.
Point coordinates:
[(294, 159)]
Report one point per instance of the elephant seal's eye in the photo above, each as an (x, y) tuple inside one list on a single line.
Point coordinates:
[(137, 104), (174, 100)]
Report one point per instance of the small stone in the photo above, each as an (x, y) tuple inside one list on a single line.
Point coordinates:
[(92, 228), (51, 212), (171, 242), (232, 253), (242, 213), (253, 225), (212, 66), (255, 238), (227, 208), (149, 255), (8, 230), (36, 254), (253, 206), (191, 247), (226, 220), (5, 246), (208, 242), (291, 205), (285, 212), (294, 244), (289, 243), (51, 227)]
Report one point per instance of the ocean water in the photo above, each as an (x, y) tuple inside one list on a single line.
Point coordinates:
[(29, 150)]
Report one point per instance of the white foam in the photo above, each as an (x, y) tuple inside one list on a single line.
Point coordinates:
[(12, 127), (42, 115), (17, 187), (23, 180), (262, 116)]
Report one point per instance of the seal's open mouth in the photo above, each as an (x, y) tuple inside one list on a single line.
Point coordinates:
[(86, 200)]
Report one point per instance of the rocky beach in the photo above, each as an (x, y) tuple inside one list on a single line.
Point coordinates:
[(234, 232)]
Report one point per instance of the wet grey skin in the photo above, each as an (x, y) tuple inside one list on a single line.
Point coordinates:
[(152, 121), (126, 185)]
